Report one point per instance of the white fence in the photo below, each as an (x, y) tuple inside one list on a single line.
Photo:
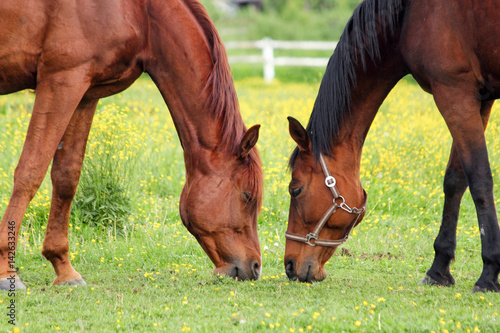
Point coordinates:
[(268, 59)]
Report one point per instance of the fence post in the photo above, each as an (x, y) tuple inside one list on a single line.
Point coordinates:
[(268, 55)]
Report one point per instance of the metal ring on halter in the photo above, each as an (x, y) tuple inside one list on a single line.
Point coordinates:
[(344, 206), (330, 181), (309, 237), (348, 209)]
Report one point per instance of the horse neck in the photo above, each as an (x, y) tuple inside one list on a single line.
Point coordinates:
[(373, 86), (365, 66), (181, 64)]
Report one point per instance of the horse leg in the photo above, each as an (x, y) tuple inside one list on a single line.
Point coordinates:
[(57, 97), (65, 175), (455, 184), (461, 113)]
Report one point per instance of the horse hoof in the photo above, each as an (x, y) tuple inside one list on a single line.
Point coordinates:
[(9, 285), (429, 281), (75, 282), (443, 280), (478, 289)]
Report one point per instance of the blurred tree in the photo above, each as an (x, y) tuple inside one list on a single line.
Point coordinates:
[(282, 19), (314, 5)]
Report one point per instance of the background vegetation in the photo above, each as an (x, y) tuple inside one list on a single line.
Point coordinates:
[(287, 20), (282, 20)]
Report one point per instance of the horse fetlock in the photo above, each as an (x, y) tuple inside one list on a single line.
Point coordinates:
[(444, 254), (491, 268)]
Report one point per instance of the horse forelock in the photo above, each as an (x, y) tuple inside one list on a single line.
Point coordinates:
[(222, 101), (358, 44)]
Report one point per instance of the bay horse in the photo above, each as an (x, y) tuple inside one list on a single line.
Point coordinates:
[(74, 53), (451, 49)]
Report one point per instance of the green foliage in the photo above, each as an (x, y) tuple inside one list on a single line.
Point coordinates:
[(103, 196), (103, 204), (312, 6), (282, 74), (287, 20), (283, 20)]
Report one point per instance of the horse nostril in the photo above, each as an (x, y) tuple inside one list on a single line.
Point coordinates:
[(236, 277), (290, 268), (255, 267)]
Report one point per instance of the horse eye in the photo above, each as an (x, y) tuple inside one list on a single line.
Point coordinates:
[(248, 196), (295, 192)]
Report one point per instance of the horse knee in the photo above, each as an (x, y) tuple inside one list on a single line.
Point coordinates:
[(491, 256), (482, 194), (26, 183), (65, 182), (445, 248), (454, 183), (54, 251)]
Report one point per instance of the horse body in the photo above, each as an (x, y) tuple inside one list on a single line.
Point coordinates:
[(46, 37), (74, 53), (463, 52), (450, 48)]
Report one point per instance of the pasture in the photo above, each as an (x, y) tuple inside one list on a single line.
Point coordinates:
[(145, 272)]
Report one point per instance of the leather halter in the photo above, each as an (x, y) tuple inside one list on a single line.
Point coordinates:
[(331, 183)]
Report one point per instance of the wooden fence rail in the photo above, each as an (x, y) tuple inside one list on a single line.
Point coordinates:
[(268, 59)]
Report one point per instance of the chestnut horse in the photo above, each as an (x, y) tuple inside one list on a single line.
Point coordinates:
[(451, 48), (74, 53)]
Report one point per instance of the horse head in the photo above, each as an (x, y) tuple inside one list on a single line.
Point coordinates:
[(219, 206), (321, 216)]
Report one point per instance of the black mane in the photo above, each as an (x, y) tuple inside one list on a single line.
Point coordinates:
[(359, 43)]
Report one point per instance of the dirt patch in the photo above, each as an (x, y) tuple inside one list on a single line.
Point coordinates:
[(374, 256)]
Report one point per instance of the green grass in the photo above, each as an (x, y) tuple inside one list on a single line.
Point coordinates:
[(153, 275)]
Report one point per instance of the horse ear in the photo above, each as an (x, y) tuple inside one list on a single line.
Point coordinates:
[(248, 141), (299, 134)]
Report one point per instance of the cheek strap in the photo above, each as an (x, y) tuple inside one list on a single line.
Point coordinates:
[(331, 183)]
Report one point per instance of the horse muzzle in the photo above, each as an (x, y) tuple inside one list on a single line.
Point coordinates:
[(250, 270), (307, 271)]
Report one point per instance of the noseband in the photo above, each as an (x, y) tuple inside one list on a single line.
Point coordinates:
[(331, 183)]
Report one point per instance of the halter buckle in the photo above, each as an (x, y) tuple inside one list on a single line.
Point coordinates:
[(330, 181), (309, 237)]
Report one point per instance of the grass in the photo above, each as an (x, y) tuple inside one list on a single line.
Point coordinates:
[(153, 276)]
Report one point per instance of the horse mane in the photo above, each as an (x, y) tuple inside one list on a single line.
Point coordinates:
[(359, 43), (222, 100)]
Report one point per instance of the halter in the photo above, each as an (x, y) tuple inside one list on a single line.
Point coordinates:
[(331, 183)]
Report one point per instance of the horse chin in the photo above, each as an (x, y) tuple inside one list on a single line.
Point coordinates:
[(317, 276), (321, 274), (251, 270), (312, 274)]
